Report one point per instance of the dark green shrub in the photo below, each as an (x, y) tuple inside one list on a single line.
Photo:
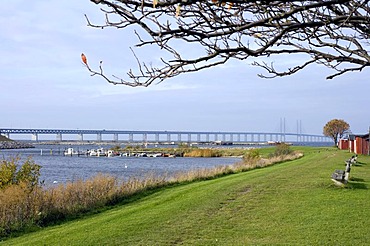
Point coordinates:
[(11, 173)]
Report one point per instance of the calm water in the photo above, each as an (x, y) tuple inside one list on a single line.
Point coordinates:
[(57, 168)]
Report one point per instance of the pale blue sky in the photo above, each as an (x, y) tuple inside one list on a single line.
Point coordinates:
[(45, 85)]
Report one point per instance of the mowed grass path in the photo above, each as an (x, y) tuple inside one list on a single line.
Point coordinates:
[(290, 203)]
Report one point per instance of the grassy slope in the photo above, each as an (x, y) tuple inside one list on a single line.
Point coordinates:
[(3, 138), (290, 203)]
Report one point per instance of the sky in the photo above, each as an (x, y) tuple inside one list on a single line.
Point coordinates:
[(45, 85)]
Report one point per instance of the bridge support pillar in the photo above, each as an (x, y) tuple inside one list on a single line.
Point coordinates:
[(189, 137), (98, 137), (115, 137), (168, 137), (207, 138), (80, 137), (157, 137), (59, 137), (198, 138), (35, 137), (179, 137), (130, 137)]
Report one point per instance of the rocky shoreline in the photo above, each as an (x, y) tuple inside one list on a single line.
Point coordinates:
[(15, 145)]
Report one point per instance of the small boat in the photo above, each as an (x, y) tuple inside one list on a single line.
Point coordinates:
[(93, 152), (98, 152), (111, 153), (125, 154), (156, 155), (101, 152), (70, 152)]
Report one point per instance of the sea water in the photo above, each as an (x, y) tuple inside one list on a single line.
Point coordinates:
[(57, 168)]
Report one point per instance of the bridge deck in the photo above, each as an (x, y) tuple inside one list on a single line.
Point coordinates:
[(169, 136)]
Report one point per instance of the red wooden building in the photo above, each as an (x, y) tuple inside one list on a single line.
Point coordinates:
[(358, 144)]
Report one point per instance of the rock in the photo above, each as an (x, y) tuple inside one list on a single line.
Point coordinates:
[(14, 145)]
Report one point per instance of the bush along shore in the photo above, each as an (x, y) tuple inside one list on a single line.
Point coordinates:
[(27, 204)]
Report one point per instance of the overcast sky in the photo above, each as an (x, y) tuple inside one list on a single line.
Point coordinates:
[(45, 85)]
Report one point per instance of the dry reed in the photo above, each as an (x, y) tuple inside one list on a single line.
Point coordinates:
[(202, 153)]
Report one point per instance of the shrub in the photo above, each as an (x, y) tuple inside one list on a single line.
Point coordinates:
[(282, 149), (202, 153), (252, 155), (12, 174), (116, 148), (8, 171), (19, 194)]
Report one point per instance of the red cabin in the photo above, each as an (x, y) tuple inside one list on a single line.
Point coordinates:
[(358, 144)]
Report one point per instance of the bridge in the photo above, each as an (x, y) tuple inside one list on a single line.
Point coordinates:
[(169, 136)]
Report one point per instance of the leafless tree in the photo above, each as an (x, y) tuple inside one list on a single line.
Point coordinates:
[(333, 33)]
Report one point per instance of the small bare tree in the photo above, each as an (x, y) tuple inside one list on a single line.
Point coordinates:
[(332, 33)]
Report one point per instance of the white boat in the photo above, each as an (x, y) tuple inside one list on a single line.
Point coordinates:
[(110, 153), (101, 152), (98, 152), (70, 152), (156, 155), (93, 152), (125, 154)]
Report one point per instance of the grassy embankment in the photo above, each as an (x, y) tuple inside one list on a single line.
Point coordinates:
[(3, 138), (291, 203)]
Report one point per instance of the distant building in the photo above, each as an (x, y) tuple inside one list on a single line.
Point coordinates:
[(358, 144)]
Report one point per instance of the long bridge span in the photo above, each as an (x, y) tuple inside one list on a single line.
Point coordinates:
[(168, 136)]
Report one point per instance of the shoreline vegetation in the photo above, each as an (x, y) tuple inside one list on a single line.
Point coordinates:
[(186, 151), (26, 205)]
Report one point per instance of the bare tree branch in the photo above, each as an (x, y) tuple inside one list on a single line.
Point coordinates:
[(332, 33)]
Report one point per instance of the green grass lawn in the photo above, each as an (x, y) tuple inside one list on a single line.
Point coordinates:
[(289, 203)]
